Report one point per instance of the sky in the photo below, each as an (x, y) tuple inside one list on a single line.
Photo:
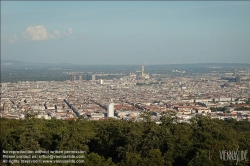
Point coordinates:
[(126, 32)]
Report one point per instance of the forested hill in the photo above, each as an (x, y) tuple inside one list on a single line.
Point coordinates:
[(128, 143)]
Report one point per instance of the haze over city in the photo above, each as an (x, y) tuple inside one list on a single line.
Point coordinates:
[(141, 32)]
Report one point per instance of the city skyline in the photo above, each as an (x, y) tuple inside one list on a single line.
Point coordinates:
[(125, 32)]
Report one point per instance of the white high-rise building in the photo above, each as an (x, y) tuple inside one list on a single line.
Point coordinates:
[(142, 71), (101, 81), (111, 109)]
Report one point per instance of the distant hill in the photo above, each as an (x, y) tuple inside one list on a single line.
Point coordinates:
[(12, 64)]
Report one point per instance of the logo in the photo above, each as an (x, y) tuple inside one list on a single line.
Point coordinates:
[(237, 155)]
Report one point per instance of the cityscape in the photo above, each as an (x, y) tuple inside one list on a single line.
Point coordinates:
[(217, 95)]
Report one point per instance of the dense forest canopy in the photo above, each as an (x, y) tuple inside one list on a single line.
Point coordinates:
[(117, 142)]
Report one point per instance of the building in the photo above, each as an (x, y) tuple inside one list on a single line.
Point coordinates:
[(72, 77), (80, 77), (101, 81), (142, 71), (93, 77), (110, 109), (75, 76), (237, 78), (147, 76)]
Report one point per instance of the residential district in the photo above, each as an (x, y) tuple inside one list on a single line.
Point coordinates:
[(126, 97)]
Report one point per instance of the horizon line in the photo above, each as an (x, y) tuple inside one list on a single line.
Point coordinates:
[(125, 64)]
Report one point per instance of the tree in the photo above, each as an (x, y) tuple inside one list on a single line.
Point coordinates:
[(29, 138), (132, 159), (76, 136), (94, 159), (154, 158)]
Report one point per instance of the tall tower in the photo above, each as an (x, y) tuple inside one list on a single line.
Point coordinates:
[(142, 71), (111, 109)]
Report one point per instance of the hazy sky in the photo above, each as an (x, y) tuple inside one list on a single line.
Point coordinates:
[(141, 32)]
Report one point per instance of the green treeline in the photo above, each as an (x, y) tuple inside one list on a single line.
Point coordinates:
[(129, 143), (16, 75)]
